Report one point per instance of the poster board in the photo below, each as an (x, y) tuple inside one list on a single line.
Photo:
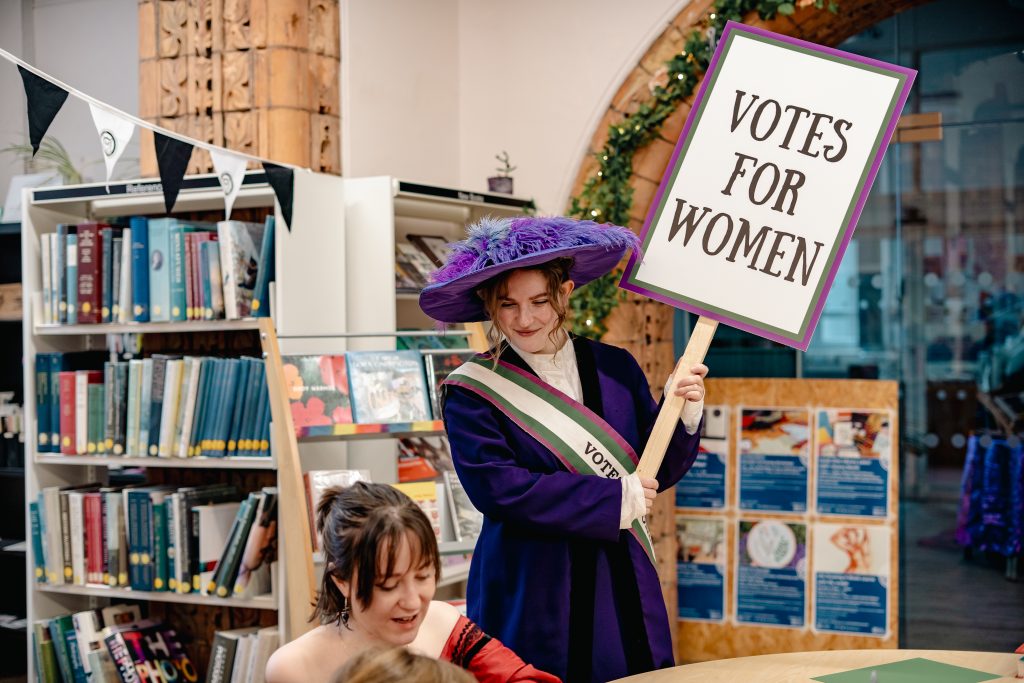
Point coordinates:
[(767, 182), (742, 544)]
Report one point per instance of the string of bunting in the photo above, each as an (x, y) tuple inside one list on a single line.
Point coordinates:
[(45, 96), (607, 196)]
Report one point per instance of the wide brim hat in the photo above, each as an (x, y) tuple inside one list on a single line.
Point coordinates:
[(495, 245)]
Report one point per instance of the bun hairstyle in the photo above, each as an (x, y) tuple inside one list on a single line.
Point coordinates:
[(361, 528), (398, 665)]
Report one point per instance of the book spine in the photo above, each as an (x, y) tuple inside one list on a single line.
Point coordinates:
[(105, 512), (81, 412), (74, 652), (225, 242), (159, 552), (169, 411), (53, 536), (67, 413), (176, 258), (106, 251), (92, 508), (120, 406), (36, 527), (94, 423), (42, 367), (244, 368), (222, 659), (61, 269), (159, 269), (90, 274), (122, 657), (133, 526), (124, 291), (60, 647), (56, 365), (233, 554), (72, 279), (190, 302), (265, 274), (140, 269), (132, 407), (115, 278), (145, 407), (156, 404), (46, 255), (170, 525), (77, 537)]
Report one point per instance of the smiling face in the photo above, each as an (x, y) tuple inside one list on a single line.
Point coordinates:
[(400, 599), (525, 312)]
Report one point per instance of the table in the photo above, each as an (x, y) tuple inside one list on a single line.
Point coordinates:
[(801, 667)]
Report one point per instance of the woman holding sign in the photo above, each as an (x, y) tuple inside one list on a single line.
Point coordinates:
[(545, 430)]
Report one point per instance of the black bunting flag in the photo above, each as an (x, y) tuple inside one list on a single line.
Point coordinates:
[(44, 101), (172, 157), (283, 181)]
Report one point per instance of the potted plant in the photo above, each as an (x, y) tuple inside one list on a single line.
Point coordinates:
[(503, 181)]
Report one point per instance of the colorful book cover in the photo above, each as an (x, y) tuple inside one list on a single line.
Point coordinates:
[(142, 648), (317, 391), (239, 244), (387, 386), (260, 548)]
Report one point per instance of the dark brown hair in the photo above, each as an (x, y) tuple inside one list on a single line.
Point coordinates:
[(555, 272), (398, 665), (358, 524)]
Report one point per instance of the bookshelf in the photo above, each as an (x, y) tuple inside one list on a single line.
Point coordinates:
[(334, 290)]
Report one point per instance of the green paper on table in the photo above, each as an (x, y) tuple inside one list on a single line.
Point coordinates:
[(917, 670)]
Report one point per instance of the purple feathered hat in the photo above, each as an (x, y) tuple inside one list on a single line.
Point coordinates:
[(494, 245)]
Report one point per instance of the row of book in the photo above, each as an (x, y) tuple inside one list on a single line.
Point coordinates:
[(240, 655), (115, 645), (368, 387), (417, 259), (161, 406), (207, 539), (156, 269)]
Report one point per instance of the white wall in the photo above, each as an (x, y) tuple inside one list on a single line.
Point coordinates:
[(536, 77), (400, 89), (92, 46), (432, 91)]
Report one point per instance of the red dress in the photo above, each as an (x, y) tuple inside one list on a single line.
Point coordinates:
[(486, 658)]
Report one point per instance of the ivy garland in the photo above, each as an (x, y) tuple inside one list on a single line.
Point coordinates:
[(608, 196)]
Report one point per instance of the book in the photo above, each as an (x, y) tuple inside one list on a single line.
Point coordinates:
[(317, 481), (387, 386), (45, 653), (72, 277), (260, 550), (425, 452), (239, 244), (223, 581), (434, 248), (318, 391), (148, 650), (212, 525), (124, 291), (424, 494), (265, 274), (267, 640), (60, 267), (90, 273), (87, 632), (439, 364), (222, 653), (159, 244), (140, 268), (415, 258), (467, 520)]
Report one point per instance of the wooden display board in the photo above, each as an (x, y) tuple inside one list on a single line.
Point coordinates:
[(728, 636)]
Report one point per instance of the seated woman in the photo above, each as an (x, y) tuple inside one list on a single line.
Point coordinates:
[(378, 588)]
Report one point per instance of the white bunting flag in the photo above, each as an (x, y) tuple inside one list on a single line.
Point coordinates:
[(114, 132), (230, 171)]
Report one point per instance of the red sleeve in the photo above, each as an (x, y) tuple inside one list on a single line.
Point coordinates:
[(487, 659)]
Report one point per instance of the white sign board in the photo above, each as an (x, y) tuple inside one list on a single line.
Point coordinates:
[(767, 182)]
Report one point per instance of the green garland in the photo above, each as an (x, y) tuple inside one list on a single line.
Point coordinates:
[(608, 196)]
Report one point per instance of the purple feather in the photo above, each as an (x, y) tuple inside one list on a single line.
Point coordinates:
[(492, 241)]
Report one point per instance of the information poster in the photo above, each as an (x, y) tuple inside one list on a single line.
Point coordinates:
[(704, 486), (700, 568), (771, 583), (774, 448), (851, 578), (854, 450)]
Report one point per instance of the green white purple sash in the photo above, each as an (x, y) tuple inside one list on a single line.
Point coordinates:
[(581, 440)]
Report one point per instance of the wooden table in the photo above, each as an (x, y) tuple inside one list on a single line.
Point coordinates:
[(801, 667)]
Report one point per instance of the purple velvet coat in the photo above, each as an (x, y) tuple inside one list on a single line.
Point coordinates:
[(552, 576)]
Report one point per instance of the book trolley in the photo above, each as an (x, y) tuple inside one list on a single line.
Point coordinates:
[(334, 290)]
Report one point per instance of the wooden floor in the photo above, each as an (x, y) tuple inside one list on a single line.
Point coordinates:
[(949, 602)]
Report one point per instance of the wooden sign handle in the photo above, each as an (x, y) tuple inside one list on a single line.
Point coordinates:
[(672, 407)]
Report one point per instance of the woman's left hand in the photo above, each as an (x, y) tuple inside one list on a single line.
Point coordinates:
[(691, 387)]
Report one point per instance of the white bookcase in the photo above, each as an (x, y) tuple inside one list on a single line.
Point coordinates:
[(334, 290)]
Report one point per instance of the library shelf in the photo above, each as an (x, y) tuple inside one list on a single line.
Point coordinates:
[(267, 602), (229, 463), (176, 327)]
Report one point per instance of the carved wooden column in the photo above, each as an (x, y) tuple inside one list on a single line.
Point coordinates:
[(257, 76)]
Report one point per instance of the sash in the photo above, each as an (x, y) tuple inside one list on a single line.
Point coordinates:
[(581, 440)]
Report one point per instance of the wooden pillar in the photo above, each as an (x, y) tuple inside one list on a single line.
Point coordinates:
[(257, 76)]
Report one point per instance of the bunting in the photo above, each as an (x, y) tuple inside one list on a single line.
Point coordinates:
[(44, 101), (172, 157), (46, 96), (282, 179), (114, 132), (230, 169)]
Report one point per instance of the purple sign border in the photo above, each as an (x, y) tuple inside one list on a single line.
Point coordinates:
[(795, 341)]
